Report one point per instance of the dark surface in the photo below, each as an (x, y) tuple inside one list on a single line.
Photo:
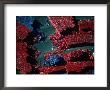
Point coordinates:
[(108, 44), (44, 2), (1, 45), (57, 1)]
